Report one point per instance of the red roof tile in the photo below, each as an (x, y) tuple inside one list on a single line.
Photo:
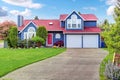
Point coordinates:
[(86, 30), (86, 17), (55, 26)]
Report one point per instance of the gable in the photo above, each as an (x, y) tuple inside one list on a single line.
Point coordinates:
[(30, 24), (74, 13)]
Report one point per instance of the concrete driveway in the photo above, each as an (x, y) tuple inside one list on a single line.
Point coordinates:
[(74, 64)]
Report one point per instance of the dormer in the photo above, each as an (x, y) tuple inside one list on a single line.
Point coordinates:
[(74, 21)]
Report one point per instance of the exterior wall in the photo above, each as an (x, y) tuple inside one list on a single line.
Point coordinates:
[(62, 24), (78, 17), (90, 23), (55, 39), (26, 29)]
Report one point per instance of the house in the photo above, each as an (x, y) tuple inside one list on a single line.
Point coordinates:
[(75, 30)]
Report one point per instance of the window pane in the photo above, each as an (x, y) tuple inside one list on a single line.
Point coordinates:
[(79, 26), (73, 25), (69, 25)]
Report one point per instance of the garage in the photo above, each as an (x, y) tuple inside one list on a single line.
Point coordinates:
[(74, 41), (82, 41), (90, 41)]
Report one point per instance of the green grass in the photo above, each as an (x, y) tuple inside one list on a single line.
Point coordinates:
[(1, 41), (12, 59), (102, 65)]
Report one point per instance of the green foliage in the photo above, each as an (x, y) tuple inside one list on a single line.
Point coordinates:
[(36, 18), (42, 32), (38, 39), (104, 62), (12, 37), (111, 32), (12, 59)]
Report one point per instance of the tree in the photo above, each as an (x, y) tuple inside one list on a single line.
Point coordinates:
[(112, 36), (13, 37), (79, 12), (4, 27), (36, 18), (42, 32)]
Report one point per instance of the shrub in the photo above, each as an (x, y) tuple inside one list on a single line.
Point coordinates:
[(12, 37), (42, 32), (59, 43), (112, 71), (38, 39)]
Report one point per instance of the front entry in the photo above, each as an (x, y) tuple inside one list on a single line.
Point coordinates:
[(50, 39)]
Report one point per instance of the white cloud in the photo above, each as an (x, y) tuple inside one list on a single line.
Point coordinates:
[(90, 8), (27, 12), (24, 3), (110, 10), (111, 4), (3, 12)]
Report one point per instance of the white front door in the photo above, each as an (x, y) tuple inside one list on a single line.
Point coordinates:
[(74, 41)]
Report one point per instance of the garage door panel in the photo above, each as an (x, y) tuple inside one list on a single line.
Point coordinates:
[(74, 41), (90, 41)]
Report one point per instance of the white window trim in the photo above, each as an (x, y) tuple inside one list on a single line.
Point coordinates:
[(57, 36), (77, 22)]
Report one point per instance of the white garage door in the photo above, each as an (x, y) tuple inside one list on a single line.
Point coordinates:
[(74, 41), (90, 41)]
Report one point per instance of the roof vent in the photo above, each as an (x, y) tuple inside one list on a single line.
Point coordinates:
[(50, 23)]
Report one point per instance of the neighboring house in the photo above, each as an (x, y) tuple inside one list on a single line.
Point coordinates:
[(75, 30)]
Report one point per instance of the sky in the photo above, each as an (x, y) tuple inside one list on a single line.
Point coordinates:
[(51, 9)]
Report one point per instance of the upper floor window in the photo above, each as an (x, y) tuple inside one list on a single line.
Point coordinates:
[(74, 22), (30, 33)]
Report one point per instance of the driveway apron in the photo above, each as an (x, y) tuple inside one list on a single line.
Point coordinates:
[(73, 64)]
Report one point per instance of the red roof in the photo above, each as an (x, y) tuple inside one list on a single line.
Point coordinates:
[(50, 25), (85, 30), (86, 17), (54, 25)]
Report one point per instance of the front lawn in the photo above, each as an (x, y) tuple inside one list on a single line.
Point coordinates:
[(12, 59), (102, 65), (1, 41)]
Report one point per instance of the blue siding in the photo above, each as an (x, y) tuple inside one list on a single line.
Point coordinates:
[(78, 16), (61, 37), (26, 29), (99, 41), (62, 24), (90, 23)]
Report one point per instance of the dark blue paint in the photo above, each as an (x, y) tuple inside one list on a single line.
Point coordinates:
[(61, 37), (103, 45), (62, 24), (90, 23), (99, 41)]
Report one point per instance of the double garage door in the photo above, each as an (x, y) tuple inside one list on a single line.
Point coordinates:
[(82, 41)]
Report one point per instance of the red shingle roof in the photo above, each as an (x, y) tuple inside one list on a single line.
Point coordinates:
[(47, 23), (56, 26), (86, 17)]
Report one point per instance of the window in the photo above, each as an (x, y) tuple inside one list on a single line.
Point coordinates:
[(30, 33), (57, 36), (74, 23)]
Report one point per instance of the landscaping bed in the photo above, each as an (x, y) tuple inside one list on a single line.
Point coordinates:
[(12, 59)]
